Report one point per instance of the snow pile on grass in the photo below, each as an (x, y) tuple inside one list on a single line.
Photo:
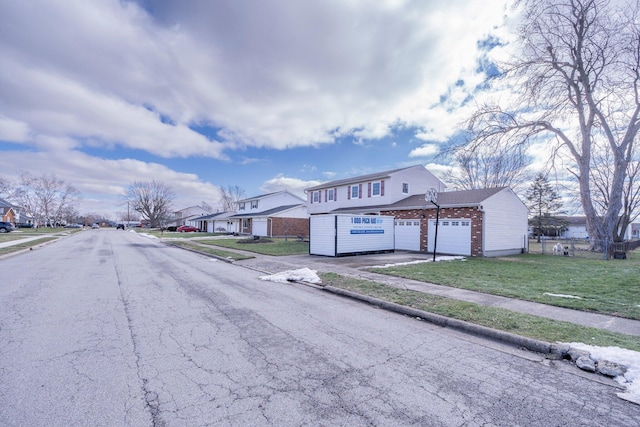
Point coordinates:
[(628, 358), (561, 295), (300, 275), (438, 258)]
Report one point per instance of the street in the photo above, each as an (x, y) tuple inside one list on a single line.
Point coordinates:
[(110, 328)]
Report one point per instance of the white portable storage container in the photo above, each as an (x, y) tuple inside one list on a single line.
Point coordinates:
[(336, 235)]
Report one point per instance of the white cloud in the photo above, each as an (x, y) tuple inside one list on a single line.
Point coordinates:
[(425, 151), (293, 185)]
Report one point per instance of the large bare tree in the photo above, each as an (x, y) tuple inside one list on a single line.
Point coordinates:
[(45, 197), (229, 196), (494, 164), (152, 199), (576, 81)]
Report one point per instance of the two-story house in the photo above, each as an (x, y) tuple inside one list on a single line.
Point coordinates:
[(483, 222), (278, 214)]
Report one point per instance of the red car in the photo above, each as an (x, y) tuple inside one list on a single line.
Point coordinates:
[(186, 229)]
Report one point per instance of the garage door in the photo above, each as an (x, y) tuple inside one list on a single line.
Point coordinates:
[(259, 227), (407, 234), (454, 236)]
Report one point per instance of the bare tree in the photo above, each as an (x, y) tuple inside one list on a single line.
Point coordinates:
[(577, 82), (206, 207), (488, 166), (230, 196), (152, 200), (45, 197), (8, 190)]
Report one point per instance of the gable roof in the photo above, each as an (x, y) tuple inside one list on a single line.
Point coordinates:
[(217, 215), (361, 178), (445, 199), (262, 196), (5, 204), (267, 212)]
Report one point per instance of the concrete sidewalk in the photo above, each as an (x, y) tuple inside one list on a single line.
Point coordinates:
[(356, 267)]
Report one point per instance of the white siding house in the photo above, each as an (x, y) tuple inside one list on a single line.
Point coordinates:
[(483, 222), (279, 214), (382, 188)]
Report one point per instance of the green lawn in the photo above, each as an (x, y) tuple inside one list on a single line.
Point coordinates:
[(196, 246), (497, 318), (610, 287), (275, 247)]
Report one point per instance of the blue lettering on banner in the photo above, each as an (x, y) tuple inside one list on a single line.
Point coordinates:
[(366, 220), (374, 231)]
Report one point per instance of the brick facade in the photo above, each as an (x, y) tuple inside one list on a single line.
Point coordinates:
[(471, 213), (287, 227)]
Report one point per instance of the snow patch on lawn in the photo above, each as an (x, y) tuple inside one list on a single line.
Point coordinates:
[(438, 258), (300, 275), (562, 295)]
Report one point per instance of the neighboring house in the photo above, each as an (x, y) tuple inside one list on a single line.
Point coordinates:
[(8, 211), (184, 216), (483, 222), (575, 227), (278, 214), (217, 223)]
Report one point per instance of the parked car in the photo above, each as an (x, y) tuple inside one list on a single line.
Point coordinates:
[(120, 227), (95, 226), (187, 229), (6, 227), (24, 225), (73, 226)]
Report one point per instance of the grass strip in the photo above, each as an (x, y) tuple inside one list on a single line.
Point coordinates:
[(525, 325), (271, 246), (25, 245), (234, 256)]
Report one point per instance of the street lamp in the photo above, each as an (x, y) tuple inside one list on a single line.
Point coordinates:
[(432, 196)]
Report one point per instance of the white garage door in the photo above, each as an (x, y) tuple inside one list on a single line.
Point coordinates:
[(454, 236), (259, 227), (407, 234)]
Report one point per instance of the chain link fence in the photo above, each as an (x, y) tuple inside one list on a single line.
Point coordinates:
[(583, 248)]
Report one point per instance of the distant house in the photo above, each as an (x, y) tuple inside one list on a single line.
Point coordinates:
[(184, 216), (220, 222), (483, 222), (575, 227), (278, 214), (8, 211)]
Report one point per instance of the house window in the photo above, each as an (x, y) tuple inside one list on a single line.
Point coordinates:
[(375, 189), (354, 192), (405, 188), (330, 195), (241, 206), (316, 197), (254, 204)]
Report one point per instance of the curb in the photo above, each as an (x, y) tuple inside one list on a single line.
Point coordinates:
[(505, 337)]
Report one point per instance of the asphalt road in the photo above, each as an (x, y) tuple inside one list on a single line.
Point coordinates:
[(109, 328)]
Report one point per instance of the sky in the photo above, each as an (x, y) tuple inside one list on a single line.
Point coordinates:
[(265, 95)]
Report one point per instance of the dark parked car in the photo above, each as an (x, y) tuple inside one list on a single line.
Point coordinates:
[(24, 225), (6, 227), (120, 227), (187, 229)]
